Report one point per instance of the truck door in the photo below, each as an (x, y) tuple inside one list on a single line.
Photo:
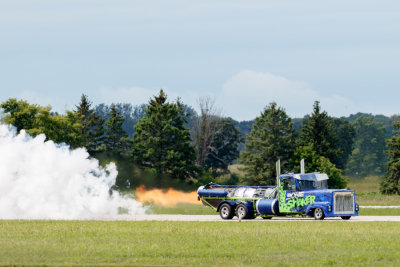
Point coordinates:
[(286, 191)]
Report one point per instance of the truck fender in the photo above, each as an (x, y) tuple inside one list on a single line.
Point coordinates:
[(310, 209)]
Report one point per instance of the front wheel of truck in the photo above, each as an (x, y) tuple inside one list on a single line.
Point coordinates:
[(226, 211), (319, 214)]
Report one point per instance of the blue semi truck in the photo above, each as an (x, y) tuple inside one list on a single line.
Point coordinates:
[(304, 194)]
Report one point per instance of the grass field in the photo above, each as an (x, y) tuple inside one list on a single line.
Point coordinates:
[(379, 212), (191, 209), (367, 192), (262, 243)]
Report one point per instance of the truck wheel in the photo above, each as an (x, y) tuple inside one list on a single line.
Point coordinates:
[(226, 211), (319, 214), (241, 212), (346, 217), (251, 216)]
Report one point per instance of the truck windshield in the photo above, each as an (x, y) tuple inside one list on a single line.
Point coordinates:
[(311, 185)]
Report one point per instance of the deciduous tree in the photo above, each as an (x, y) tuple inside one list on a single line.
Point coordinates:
[(345, 134), (316, 163), (19, 113), (224, 147), (205, 127), (35, 119), (368, 156), (391, 181)]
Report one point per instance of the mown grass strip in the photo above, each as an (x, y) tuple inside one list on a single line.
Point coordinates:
[(198, 243), (379, 212), (192, 209)]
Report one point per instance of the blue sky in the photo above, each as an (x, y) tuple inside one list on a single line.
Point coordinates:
[(244, 54)]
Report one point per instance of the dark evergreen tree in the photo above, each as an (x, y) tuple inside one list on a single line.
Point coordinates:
[(345, 134), (92, 125), (223, 149), (317, 130), (368, 156), (391, 181), (271, 138), (116, 138), (161, 141), (132, 114)]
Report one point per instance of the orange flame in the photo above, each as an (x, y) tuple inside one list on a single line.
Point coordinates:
[(162, 197)]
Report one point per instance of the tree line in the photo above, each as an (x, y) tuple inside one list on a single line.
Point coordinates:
[(170, 140)]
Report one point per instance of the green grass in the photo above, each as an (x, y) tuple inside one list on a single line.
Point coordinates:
[(367, 184), (379, 212), (236, 169), (367, 192), (192, 209), (256, 243)]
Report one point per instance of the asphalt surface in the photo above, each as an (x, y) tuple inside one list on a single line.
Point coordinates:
[(217, 218)]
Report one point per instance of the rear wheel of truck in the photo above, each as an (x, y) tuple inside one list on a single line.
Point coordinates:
[(319, 214), (226, 211), (267, 218), (346, 217), (241, 212)]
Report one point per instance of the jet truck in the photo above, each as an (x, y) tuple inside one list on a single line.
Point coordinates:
[(304, 194)]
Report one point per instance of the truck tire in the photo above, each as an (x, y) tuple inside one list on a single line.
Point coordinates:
[(346, 217), (251, 216), (226, 211), (241, 212), (267, 218), (319, 214)]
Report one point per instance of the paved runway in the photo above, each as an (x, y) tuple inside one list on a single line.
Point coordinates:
[(217, 218)]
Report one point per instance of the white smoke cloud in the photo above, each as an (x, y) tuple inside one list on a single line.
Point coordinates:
[(44, 180)]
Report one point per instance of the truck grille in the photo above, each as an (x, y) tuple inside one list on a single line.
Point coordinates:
[(343, 202)]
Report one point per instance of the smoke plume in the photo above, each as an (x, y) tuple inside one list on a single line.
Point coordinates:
[(43, 180)]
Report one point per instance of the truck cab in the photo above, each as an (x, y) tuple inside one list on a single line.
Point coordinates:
[(308, 194)]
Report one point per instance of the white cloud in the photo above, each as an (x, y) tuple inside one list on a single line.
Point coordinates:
[(246, 94)]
